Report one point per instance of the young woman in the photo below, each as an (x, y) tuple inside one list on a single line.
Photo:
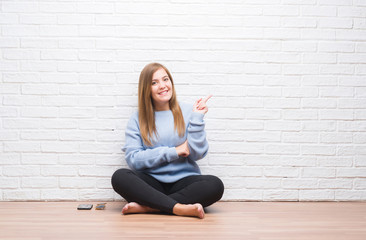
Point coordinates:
[(164, 139)]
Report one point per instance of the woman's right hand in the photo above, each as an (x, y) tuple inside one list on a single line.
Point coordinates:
[(183, 149)]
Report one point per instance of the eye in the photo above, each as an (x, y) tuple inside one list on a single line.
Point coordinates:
[(153, 83), (166, 79)]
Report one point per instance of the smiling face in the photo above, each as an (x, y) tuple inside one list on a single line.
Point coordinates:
[(161, 90)]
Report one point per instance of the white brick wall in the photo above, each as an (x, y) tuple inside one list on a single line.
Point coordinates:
[(287, 120)]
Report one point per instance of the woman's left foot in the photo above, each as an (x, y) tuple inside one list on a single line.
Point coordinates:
[(134, 207)]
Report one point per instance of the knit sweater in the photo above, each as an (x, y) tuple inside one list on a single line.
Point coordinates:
[(161, 160)]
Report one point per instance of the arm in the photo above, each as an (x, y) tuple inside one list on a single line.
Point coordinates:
[(196, 136), (140, 158)]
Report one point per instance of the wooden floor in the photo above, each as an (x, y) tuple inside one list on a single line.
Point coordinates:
[(224, 220)]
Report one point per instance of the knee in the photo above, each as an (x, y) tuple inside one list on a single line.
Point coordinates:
[(217, 187), (119, 176)]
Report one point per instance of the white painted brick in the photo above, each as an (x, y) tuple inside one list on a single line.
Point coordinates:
[(96, 194), (39, 135), (318, 150), (246, 195), (39, 159), (264, 92), (351, 172), (73, 19), (79, 67), (40, 89), (77, 89), (359, 137), (318, 34), (336, 114), (325, 46), (21, 171), (20, 124), (76, 43), (59, 55), (321, 11), (37, 112), (320, 103), (96, 171), (294, 161), (350, 195), (58, 171), (360, 161), (104, 101), (287, 149), (58, 31), (351, 12), (281, 172), (59, 147), (77, 159), (300, 137), (99, 147), (303, 69), (336, 92), (59, 195), (72, 135), (283, 125), (21, 195), (318, 172), (319, 126), (299, 183), (288, 79), (336, 138), (8, 112), (59, 124), (225, 159), (360, 184), (8, 135), (360, 92), (316, 195), (39, 182), (21, 77), (9, 42), (335, 183), (263, 114), (261, 183), (9, 183), (104, 183), (300, 114), (21, 147), (361, 47), (281, 195), (335, 23), (335, 161)]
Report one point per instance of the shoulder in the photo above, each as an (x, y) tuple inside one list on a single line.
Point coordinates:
[(134, 120), (185, 107)]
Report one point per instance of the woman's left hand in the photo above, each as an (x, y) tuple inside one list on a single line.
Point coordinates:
[(200, 105)]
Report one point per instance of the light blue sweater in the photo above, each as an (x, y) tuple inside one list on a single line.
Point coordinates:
[(161, 160)]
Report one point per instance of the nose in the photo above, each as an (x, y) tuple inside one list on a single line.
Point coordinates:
[(161, 85)]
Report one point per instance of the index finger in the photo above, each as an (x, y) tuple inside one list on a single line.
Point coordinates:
[(207, 98)]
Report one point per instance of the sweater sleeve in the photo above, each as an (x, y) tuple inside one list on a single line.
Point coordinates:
[(139, 157), (196, 135)]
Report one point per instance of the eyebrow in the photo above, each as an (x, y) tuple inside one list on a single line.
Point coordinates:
[(161, 78)]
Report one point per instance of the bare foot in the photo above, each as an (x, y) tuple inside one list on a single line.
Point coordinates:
[(192, 210), (133, 207)]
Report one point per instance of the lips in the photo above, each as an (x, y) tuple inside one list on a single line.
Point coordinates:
[(163, 92)]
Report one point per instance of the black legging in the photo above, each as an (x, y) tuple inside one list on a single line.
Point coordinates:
[(145, 190)]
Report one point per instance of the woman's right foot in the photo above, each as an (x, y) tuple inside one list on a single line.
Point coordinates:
[(134, 207), (191, 210)]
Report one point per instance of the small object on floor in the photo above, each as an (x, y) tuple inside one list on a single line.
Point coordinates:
[(85, 206), (100, 206)]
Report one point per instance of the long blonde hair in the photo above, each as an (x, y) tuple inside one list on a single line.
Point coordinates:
[(146, 106)]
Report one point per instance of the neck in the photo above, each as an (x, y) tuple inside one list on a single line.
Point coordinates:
[(162, 107)]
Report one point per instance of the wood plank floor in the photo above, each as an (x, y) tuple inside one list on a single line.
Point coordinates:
[(224, 220)]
